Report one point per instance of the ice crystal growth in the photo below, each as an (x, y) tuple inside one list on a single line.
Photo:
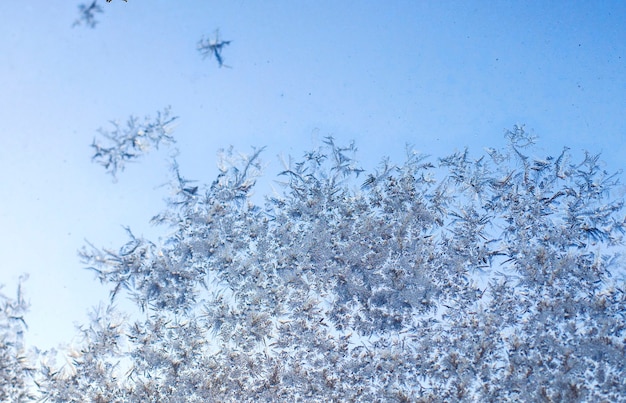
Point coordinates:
[(213, 48), (16, 363), (486, 278), (124, 144), (87, 14)]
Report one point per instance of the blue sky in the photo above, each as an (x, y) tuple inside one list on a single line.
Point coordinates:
[(438, 75)]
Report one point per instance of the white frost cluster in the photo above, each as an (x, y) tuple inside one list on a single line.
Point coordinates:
[(492, 283)]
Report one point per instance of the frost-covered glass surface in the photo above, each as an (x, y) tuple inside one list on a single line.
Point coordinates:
[(439, 261)]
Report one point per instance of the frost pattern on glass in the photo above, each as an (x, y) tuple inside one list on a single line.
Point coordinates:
[(17, 363), (124, 144), (486, 278), (87, 14), (213, 48)]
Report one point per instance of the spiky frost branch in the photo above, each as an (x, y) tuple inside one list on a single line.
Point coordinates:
[(127, 144), (478, 286)]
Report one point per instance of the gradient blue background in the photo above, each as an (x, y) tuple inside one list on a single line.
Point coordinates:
[(438, 75)]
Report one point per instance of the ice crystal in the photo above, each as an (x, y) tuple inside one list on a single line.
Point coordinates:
[(493, 283)]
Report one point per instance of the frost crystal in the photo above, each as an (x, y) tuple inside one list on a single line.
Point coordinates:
[(493, 283)]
